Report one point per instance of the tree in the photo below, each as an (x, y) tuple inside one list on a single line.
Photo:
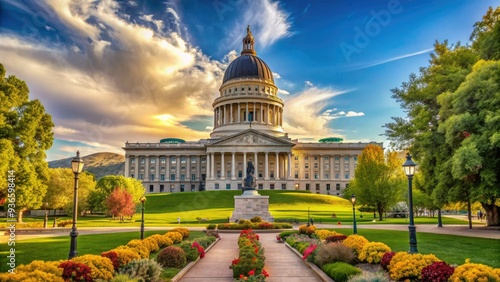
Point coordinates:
[(25, 135), (120, 203), (107, 184), (379, 180), (61, 187)]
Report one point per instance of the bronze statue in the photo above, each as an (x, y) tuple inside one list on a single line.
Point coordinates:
[(250, 180)]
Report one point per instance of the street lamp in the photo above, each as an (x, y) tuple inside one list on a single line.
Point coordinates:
[(409, 167), (45, 205), (76, 166), (143, 200), (354, 228)]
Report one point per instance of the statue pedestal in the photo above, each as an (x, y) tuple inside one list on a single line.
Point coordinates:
[(251, 204)]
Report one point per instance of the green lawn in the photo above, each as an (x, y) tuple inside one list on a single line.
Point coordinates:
[(163, 209), (57, 248)]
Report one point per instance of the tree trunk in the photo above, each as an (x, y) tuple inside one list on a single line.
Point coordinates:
[(20, 216), (380, 212), (492, 214), (469, 213)]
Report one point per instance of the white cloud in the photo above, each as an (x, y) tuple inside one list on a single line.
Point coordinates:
[(308, 83), (276, 75), (331, 114), (283, 92), (354, 114)]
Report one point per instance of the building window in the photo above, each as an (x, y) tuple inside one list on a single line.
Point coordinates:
[(307, 186), (172, 176), (241, 186), (296, 158), (315, 158), (183, 160), (271, 174), (203, 160), (218, 173), (271, 186), (346, 176), (261, 186), (355, 159), (193, 177), (337, 167), (327, 187), (336, 176), (162, 188), (141, 176), (296, 174), (306, 158), (346, 159), (132, 160), (216, 186), (283, 186), (152, 160), (307, 175), (182, 187), (306, 165), (192, 187), (228, 186), (132, 175), (336, 158), (183, 177), (143, 160), (163, 160), (296, 165), (240, 173), (315, 165), (326, 158), (317, 186), (229, 174), (152, 176), (327, 176), (193, 160), (151, 188), (346, 167), (173, 160), (337, 186), (327, 166), (346, 185), (316, 175)]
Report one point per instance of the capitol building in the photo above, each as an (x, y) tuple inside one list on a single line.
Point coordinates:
[(248, 118)]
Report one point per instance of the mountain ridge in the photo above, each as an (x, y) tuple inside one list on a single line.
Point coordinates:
[(99, 164)]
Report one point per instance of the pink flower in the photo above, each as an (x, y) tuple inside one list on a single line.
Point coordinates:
[(309, 251)]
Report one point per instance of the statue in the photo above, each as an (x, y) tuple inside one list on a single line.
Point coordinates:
[(250, 182)]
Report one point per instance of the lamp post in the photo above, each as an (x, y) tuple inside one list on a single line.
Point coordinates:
[(143, 200), (45, 219), (76, 166), (409, 168), (354, 227)]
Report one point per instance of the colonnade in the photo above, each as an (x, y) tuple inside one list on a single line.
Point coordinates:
[(259, 112)]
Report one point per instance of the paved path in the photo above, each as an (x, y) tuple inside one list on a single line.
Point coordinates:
[(281, 263)]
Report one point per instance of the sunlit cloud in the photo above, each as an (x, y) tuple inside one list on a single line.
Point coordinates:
[(283, 92), (308, 83)]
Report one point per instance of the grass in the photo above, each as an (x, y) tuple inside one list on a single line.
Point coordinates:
[(162, 209), (449, 248), (57, 248)]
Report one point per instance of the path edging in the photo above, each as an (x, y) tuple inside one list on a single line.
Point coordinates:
[(319, 273), (190, 265)]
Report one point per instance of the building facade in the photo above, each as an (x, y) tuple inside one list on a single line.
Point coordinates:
[(248, 118)]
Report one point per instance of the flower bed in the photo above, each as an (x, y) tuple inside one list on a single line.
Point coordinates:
[(249, 266), (247, 224)]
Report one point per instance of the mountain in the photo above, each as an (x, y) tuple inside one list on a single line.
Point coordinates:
[(99, 164)]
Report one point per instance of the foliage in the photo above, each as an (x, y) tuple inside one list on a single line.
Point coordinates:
[(143, 270), (340, 271), (256, 219), (25, 276), (438, 271), (175, 236), (356, 242), (125, 254), (75, 271), (474, 272), (253, 277), (373, 252), (334, 252), (304, 229), (25, 135), (120, 203), (45, 266), (335, 238), (140, 247), (250, 225), (251, 255), (213, 233), (113, 257), (106, 185), (191, 253), (309, 251), (152, 244), (211, 226), (100, 267), (379, 180), (123, 278), (386, 260), (409, 266), (378, 276), (162, 240), (172, 256), (199, 249), (184, 232), (323, 233)]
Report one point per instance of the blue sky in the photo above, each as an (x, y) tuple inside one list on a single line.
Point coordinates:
[(115, 71)]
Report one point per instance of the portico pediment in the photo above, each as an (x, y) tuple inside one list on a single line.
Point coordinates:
[(252, 137)]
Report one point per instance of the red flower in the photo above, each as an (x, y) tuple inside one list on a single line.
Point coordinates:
[(251, 272), (264, 272), (236, 261), (241, 276), (256, 250), (309, 251)]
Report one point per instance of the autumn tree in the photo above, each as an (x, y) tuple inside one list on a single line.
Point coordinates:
[(379, 179), (60, 189), (25, 135), (120, 203), (106, 185)]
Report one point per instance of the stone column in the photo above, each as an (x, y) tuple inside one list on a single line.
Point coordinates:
[(178, 168), (157, 170), (246, 113), (167, 169), (231, 114), (266, 172), (332, 165), (254, 113), (267, 114), (233, 161), (239, 112), (146, 169), (289, 166), (256, 162), (277, 173), (321, 167), (198, 165), (244, 174), (222, 167), (212, 165), (127, 166), (188, 169), (136, 167)]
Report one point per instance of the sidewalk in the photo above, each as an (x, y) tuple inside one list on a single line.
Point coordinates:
[(281, 263)]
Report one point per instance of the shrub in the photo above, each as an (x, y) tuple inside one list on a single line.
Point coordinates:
[(335, 238), (184, 232), (340, 271), (256, 219), (64, 223), (191, 254), (143, 270), (265, 225), (409, 266), (199, 249), (140, 248), (75, 271), (212, 226), (438, 271), (162, 240), (152, 244), (123, 278), (44, 266), (386, 260), (206, 241), (308, 230), (100, 267), (113, 257), (373, 252), (370, 277), (213, 233), (172, 256), (126, 254), (309, 251), (334, 252), (474, 272), (175, 236), (323, 233), (283, 235), (356, 242), (35, 275)]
